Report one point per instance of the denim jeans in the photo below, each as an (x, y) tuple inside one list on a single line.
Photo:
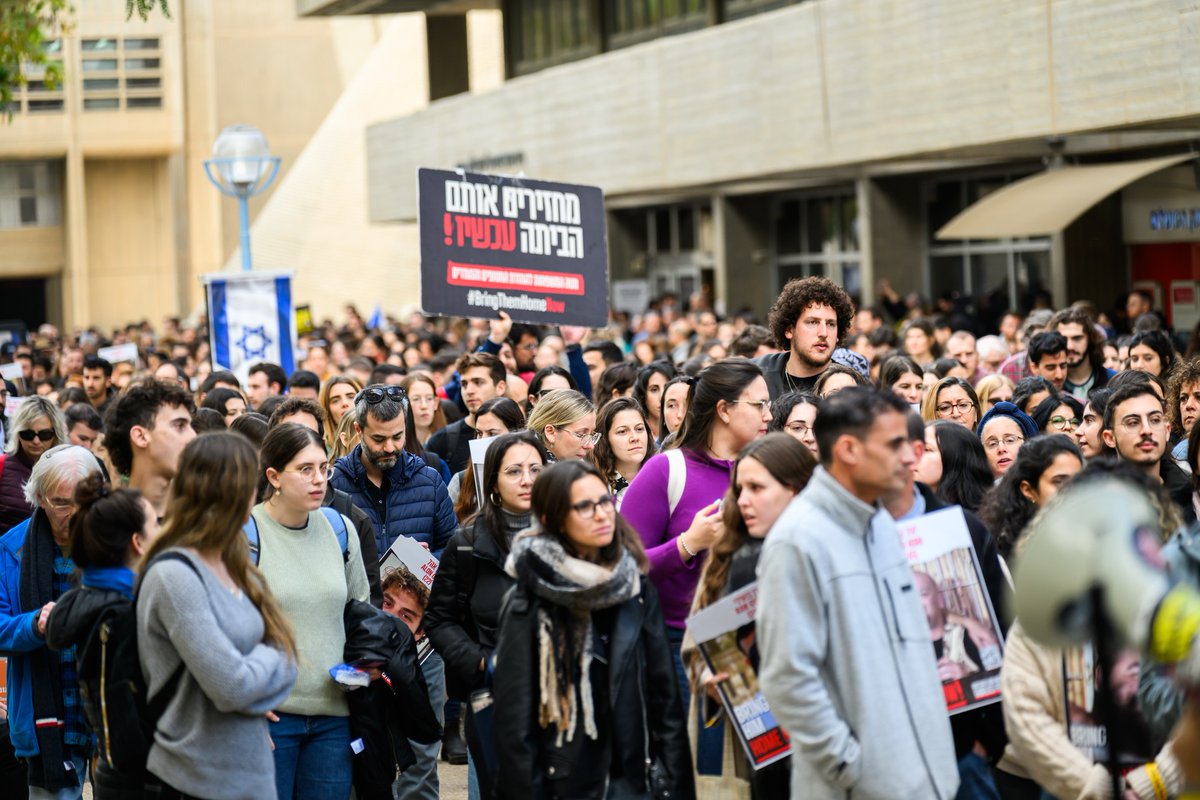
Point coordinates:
[(710, 742), (80, 764), (313, 760), (420, 781), (975, 779)]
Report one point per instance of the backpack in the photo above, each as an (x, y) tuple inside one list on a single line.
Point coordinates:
[(466, 576), (335, 519), (115, 692)]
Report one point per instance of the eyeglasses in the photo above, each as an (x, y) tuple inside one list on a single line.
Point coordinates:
[(46, 434), (587, 508), (1062, 423), (582, 437), (515, 473), (1009, 441), (59, 504), (764, 406), (962, 407), (799, 428), (423, 401), (310, 471), (376, 394)]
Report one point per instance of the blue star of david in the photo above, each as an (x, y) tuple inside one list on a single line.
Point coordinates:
[(254, 342)]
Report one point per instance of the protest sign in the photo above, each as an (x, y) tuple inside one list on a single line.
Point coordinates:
[(479, 448), (724, 635), (967, 639), (631, 296), (410, 554), (534, 249), (13, 372), (119, 352), (1081, 678)]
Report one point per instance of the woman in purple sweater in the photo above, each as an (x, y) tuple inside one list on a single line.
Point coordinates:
[(728, 406)]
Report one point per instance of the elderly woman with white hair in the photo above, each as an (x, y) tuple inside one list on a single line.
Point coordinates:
[(37, 426), (34, 572)]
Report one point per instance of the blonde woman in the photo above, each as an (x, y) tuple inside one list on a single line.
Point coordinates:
[(337, 397), (565, 421), (345, 438), (993, 389)]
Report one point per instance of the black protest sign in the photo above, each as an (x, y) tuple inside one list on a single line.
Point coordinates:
[(534, 249)]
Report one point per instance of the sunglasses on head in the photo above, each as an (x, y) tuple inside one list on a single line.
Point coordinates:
[(376, 394), (45, 434)]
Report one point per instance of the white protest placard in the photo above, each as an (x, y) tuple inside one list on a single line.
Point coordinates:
[(11, 404), (724, 633), (410, 554), (12, 372), (479, 448), (967, 639), (119, 352), (631, 296)]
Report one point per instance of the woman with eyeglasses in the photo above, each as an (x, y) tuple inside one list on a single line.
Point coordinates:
[(953, 399), (674, 503), (1061, 414), (313, 578), (795, 414), (565, 421), (463, 614), (585, 700), (495, 417), (37, 426), (428, 416), (336, 399), (1003, 430), (625, 444)]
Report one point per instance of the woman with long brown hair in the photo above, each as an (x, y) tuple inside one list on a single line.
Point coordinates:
[(625, 444), (428, 416), (768, 473), (215, 617), (586, 704), (336, 399)]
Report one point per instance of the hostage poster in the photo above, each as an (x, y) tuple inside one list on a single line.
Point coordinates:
[(967, 639), (725, 635), (534, 249)]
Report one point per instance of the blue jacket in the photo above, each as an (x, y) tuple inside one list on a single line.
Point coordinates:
[(18, 638), (418, 504)]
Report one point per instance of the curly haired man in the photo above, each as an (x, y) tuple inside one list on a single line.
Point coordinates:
[(812, 315)]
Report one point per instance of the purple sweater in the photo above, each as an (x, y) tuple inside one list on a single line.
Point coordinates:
[(647, 509)]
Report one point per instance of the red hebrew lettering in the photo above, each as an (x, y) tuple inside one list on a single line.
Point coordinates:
[(954, 695)]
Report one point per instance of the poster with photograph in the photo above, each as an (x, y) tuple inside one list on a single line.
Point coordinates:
[(412, 555), (967, 639), (1081, 677), (535, 249), (724, 635)]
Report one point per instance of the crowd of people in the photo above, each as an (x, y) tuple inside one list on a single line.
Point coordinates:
[(221, 539)]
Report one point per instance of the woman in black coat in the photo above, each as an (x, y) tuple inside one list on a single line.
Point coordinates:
[(586, 697), (464, 604)]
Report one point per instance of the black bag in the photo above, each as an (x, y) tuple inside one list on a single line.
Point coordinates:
[(114, 690)]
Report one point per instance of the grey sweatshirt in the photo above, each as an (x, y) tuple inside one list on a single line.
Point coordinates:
[(847, 660), (212, 741)]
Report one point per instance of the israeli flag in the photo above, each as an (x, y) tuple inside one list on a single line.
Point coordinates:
[(251, 319)]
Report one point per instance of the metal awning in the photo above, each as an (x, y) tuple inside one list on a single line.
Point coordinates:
[(1046, 203)]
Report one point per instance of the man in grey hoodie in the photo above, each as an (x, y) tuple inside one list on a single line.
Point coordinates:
[(847, 659)]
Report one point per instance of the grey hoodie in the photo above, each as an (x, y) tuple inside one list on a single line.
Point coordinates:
[(847, 660)]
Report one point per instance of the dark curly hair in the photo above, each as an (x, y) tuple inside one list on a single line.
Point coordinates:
[(1186, 371), (138, 406), (1005, 510), (799, 294)]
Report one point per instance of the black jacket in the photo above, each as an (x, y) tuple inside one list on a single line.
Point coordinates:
[(342, 503), (75, 621), (646, 715), (389, 712), (464, 636)]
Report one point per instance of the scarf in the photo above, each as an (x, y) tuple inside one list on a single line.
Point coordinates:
[(573, 588), (114, 579), (36, 586)]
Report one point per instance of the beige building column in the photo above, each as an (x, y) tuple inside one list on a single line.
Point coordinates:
[(75, 288)]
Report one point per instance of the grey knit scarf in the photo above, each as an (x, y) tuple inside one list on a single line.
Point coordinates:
[(573, 589)]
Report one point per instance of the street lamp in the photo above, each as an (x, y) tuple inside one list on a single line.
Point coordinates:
[(243, 167)]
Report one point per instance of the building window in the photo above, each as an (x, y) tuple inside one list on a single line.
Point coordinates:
[(30, 194), (632, 21), (36, 96), (121, 73), (542, 33), (817, 235), (993, 275), (736, 9)]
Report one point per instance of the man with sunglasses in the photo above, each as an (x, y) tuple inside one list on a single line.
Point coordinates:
[(482, 376), (401, 494)]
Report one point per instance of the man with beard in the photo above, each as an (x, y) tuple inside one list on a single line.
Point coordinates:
[(400, 493), (811, 316), (1085, 351)]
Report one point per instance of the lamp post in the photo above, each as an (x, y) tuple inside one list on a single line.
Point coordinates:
[(242, 166)]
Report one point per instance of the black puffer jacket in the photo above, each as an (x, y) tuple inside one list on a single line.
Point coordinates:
[(75, 621), (465, 636), (645, 715)]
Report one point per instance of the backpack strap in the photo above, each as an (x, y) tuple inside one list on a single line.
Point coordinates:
[(336, 521), (676, 477), (468, 573), (156, 706), (453, 434)]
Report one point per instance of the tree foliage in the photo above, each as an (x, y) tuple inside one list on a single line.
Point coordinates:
[(26, 26)]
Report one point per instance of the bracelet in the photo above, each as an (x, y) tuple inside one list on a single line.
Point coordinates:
[(1156, 781), (686, 549)]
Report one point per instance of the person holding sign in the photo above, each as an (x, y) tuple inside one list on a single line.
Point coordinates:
[(847, 660)]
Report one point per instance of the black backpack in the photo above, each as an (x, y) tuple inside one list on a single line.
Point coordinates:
[(114, 690)]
